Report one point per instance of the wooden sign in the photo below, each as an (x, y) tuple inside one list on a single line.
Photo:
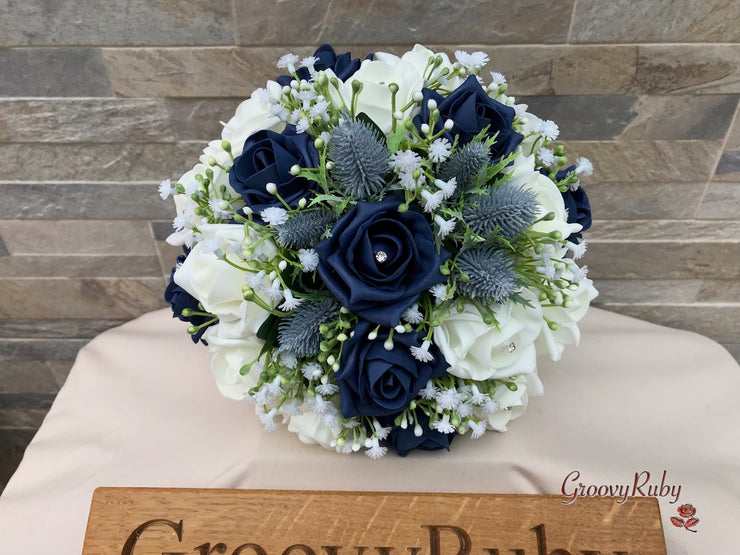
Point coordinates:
[(148, 521)]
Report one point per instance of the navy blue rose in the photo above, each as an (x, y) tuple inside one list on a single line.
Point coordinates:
[(180, 299), (379, 260), (472, 110), (577, 204), (430, 439), (267, 158), (342, 65), (376, 382)]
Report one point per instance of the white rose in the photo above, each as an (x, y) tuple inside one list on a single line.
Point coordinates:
[(251, 115), (375, 98), (552, 343), (311, 429), (232, 345), (419, 58), (477, 351), (212, 281), (549, 198), (513, 403)]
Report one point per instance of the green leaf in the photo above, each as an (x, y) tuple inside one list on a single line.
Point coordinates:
[(309, 175), (396, 139)]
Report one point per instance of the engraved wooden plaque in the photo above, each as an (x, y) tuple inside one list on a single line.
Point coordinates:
[(150, 521)]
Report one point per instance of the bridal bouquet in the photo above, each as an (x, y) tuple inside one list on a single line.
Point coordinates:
[(377, 250)]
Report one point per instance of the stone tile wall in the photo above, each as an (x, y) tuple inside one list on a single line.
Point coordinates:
[(99, 101)]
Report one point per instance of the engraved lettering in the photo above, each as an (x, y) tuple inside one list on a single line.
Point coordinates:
[(253, 546), (206, 548), (303, 547), (128, 547), (539, 531), (435, 545)]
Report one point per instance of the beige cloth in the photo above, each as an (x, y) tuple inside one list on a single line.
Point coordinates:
[(140, 408)]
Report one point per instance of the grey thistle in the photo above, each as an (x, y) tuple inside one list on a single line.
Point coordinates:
[(299, 332), (360, 159), (305, 228), (512, 209), (491, 274), (465, 165)]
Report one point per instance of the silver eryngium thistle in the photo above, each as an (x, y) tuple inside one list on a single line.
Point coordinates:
[(360, 159), (491, 273)]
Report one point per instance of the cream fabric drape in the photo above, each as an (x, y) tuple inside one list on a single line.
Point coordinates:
[(140, 408)]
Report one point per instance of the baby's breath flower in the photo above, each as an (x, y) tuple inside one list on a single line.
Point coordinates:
[(578, 249), (439, 292), (268, 419), (477, 428), (429, 391), (288, 61), (309, 259), (580, 274), (473, 61), (584, 166), (489, 406), (547, 270), (221, 208), (445, 226), (274, 293), (211, 245), (547, 158), (165, 188), (443, 426), (432, 201), (327, 389), (180, 221), (447, 187), (548, 129), (412, 315), (302, 125), (308, 62), (449, 399), (320, 110), (439, 150), (331, 419), (497, 79), (290, 301), (405, 161), (376, 451), (464, 409), (422, 353), (312, 371), (320, 405), (274, 215)]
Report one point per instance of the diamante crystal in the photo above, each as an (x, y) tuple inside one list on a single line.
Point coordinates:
[(381, 256), (511, 347)]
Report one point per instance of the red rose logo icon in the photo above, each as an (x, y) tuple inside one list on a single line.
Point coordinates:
[(687, 511)]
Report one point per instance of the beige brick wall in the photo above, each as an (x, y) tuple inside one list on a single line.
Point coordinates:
[(99, 101)]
